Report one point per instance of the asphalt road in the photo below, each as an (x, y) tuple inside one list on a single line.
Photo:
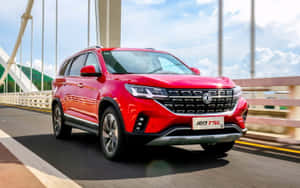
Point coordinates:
[(81, 159)]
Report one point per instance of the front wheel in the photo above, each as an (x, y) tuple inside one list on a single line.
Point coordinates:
[(112, 135), (218, 148)]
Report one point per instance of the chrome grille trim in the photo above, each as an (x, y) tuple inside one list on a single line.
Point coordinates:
[(200, 101), (199, 115)]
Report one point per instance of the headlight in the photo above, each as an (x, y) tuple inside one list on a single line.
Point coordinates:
[(237, 91), (146, 92)]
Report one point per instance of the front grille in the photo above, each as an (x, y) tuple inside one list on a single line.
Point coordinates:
[(199, 101)]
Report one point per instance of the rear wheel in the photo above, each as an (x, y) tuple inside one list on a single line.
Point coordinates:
[(60, 130), (112, 135), (218, 148)]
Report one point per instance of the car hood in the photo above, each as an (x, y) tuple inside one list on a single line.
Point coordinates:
[(177, 81)]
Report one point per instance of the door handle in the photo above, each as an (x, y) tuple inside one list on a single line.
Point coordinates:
[(80, 85)]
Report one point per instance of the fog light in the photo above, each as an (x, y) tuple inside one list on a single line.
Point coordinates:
[(140, 124)]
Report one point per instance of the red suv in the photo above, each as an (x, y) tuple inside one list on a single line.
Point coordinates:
[(131, 97)]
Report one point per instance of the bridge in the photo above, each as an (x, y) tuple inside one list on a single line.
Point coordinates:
[(268, 156)]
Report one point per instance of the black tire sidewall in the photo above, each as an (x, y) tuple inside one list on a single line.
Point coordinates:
[(53, 123), (65, 131), (121, 145)]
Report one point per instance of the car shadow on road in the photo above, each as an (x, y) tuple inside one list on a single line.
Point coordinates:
[(80, 158)]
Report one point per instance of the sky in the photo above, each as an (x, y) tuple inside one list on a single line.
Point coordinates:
[(186, 28)]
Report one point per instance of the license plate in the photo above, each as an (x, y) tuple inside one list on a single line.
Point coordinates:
[(205, 123)]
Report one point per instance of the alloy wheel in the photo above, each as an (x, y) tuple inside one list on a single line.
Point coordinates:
[(110, 133), (57, 121)]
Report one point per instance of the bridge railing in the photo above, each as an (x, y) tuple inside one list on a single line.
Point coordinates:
[(30, 99), (274, 106)]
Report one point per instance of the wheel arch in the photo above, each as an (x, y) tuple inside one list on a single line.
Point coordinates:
[(105, 103), (54, 102)]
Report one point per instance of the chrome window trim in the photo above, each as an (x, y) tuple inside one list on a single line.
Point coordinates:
[(79, 119)]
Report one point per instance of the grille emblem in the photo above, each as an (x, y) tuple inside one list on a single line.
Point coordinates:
[(207, 98)]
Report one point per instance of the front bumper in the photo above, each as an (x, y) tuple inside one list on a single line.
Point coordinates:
[(168, 139), (160, 119), (183, 135)]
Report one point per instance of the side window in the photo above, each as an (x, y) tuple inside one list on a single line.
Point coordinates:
[(93, 60), (77, 64), (63, 68), (68, 67)]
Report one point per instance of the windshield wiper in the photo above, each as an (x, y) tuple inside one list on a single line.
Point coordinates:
[(123, 73)]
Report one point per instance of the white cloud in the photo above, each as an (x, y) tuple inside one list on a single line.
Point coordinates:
[(207, 67), (154, 28), (277, 63), (148, 2), (277, 15), (202, 2), (267, 11), (269, 63)]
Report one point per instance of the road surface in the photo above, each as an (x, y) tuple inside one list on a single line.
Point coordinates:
[(80, 159)]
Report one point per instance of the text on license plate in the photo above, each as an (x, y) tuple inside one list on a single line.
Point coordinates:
[(208, 123)]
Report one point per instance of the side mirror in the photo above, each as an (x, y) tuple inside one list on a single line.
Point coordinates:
[(195, 70), (89, 70)]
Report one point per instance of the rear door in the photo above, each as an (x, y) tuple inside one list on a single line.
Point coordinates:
[(63, 86)]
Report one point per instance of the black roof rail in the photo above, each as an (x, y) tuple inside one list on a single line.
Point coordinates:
[(95, 46)]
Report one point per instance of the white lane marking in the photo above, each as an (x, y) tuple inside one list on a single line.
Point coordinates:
[(47, 174)]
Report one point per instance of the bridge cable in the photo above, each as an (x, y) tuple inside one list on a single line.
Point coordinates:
[(88, 25), (56, 36), (220, 38), (43, 38), (107, 24), (31, 53), (252, 38), (21, 59), (6, 88), (97, 23)]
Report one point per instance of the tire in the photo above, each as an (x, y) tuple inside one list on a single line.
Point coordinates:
[(60, 130), (218, 148), (111, 134)]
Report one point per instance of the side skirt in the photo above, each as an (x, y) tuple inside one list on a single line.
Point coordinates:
[(81, 124)]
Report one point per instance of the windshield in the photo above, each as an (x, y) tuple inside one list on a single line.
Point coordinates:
[(142, 62)]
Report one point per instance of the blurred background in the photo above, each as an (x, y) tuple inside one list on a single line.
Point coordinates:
[(189, 29)]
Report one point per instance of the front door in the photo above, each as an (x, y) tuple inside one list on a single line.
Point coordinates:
[(90, 91)]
